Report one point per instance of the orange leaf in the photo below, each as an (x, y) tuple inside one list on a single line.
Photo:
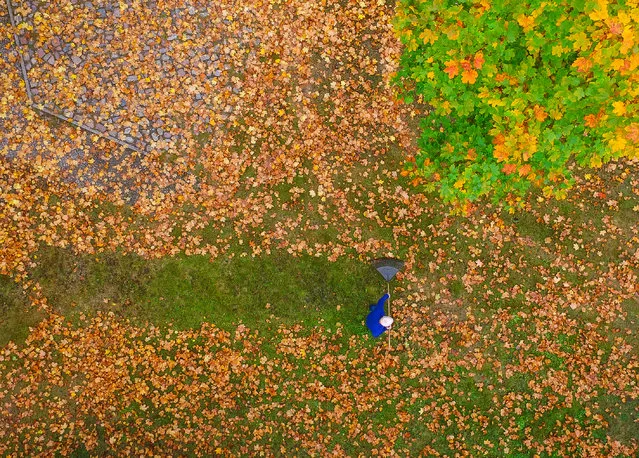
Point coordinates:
[(583, 65), (469, 76), (451, 68), (616, 28), (509, 168), (540, 113), (632, 132), (591, 120), (478, 61), (501, 153), (524, 170)]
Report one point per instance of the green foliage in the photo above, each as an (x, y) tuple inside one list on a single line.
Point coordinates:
[(519, 91)]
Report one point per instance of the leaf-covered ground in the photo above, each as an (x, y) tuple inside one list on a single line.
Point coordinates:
[(515, 333)]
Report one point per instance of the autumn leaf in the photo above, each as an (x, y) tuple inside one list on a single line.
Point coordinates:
[(582, 64), (509, 168), (428, 36), (619, 108), (451, 69), (601, 12), (632, 132), (540, 113), (616, 28), (618, 143), (501, 153), (524, 170), (526, 22), (469, 76), (591, 120)]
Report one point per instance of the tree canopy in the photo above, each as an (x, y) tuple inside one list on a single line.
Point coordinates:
[(519, 92)]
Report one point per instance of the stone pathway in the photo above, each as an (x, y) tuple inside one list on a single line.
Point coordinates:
[(112, 74), (103, 89)]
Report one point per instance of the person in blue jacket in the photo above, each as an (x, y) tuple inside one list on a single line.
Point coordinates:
[(376, 321)]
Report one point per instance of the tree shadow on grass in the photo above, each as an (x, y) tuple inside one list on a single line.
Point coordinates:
[(16, 314), (261, 292)]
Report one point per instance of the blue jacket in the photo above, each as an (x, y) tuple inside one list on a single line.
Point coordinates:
[(376, 312)]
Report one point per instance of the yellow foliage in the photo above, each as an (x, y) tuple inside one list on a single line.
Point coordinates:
[(526, 22), (428, 36), (619, 108), (601, 12)]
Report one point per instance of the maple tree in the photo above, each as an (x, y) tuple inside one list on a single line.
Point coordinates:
[(519, 91)]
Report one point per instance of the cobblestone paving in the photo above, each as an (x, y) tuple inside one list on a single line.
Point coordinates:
[(81, 159), (8, 58), (108, 71)]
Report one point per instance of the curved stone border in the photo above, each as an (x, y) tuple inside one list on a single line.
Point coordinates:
[(39, 107)]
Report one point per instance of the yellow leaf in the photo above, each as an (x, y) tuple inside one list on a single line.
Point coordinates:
[(428, 36), (623, 17), (619, 108), (628, 40), (446, 107), (617, 64), (580, 41), (526, 22), (618, 144), (601, 13), (558, 50)]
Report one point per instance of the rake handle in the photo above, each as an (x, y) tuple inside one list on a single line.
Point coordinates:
[(389, 312)]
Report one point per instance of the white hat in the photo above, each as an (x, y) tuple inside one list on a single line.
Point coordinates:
[(386, 321)]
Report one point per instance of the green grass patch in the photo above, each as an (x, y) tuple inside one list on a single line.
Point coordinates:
[(261, 292), (622, 417), (16, 314)]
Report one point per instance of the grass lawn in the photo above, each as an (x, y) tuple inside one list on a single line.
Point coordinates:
[(474, 364), (185, 291)]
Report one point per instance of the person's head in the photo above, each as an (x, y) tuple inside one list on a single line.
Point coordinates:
[(386, 321)]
